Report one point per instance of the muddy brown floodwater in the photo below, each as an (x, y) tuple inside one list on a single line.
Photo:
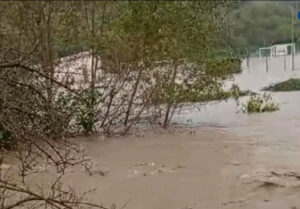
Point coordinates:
[(212, 168), (233, 160), (169, 171)]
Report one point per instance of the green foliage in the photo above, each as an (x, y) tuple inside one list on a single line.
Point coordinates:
[(258, 104), (157, 31), (177, 34), (292, 84), (88, 109), (131, 38), (226, 59), (198, 95), (219, 94), (254, 104), (270, 107), (83, 109)]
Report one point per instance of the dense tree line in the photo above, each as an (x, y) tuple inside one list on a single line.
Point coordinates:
[(257, 24)]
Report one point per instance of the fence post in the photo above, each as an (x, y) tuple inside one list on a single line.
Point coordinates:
[(267, 67)]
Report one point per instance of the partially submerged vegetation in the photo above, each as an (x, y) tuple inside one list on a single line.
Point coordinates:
[(292, 84), (124, 55), (259, 104), (136, 53), (228, 59), (234, 92)]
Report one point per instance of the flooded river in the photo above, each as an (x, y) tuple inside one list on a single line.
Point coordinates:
[(233, 160), (274, 136), (280, 130), (230, 160)]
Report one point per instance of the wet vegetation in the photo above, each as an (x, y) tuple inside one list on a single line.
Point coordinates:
[(260, 104), (139, 62), (195, 95), (292, 84), (234, 92), (228, 59)]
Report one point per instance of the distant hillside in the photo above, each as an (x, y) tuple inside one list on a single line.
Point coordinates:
[(261, 23)]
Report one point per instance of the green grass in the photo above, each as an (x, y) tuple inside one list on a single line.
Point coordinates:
[(292, 84)]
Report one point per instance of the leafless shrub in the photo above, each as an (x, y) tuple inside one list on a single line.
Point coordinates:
[(56, 195), (39, 124)]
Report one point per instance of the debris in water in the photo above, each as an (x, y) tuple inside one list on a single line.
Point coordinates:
[(102, 172), (146, 169), (134, 173), (275, 178), (235, 202), (235, 163), (270, 184), (245, 176)]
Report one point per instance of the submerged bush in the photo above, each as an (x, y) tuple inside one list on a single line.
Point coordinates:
[(229, 59), (258, 104), (270, 107), (219, 94), (292, 84)]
